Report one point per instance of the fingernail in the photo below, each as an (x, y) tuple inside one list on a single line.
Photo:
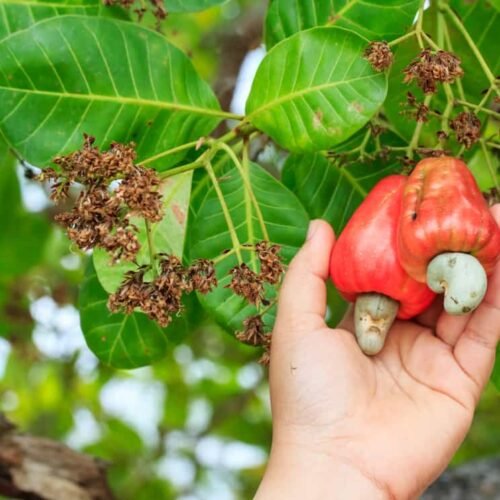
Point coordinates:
[(313, 227)]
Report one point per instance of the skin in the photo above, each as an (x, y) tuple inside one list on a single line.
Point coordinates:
[(349, 426)]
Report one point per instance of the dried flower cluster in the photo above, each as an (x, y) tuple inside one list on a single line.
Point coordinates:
[(157, 8), (432, 67), (419, 110), (467, 128), (101, 217), (379, 55), (254, 334), (249, 284), (161, 298)]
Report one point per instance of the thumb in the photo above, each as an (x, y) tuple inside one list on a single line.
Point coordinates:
[(302, 302)]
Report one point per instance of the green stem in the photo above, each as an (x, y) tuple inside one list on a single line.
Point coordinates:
[(225, 210), (458, 23), (362, 146), (450, 98), (449, 46), (430, 41), (172, 151), (411, 34), (183, 168), (418, 28), (493, 145), (479, 109), (418, 130), (151, 249), (491, 168)]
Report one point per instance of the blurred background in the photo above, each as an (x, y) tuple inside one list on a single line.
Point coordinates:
[(197, 424)]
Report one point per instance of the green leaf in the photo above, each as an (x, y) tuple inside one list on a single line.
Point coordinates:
[(118, 340), (496, 4), (495, 376), (329, 191), (17, 15), (483, 25), (191, 5), (208, 236), (114, 80), (374, 19), (167, 235), (315, 89)]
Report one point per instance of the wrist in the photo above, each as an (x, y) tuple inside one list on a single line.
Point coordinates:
[(298, 472)]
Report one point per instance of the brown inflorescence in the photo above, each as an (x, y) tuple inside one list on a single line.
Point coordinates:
[(101, 217), (432, 67), (157, 8), (201, 276), (161, 297), (247, 283), (271, 267), (254, 334), (253, 331), (467, 128), (379, 55)]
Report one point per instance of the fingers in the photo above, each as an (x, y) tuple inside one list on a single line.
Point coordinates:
[(476, 347), (302, 302)]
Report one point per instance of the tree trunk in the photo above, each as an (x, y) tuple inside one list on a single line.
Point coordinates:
[(34, 468)]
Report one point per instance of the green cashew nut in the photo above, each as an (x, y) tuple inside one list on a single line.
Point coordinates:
[(374, 315), (462, 279)]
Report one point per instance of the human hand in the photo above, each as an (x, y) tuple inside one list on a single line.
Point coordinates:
[(350, 426)]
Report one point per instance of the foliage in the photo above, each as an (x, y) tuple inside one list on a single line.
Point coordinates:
[(318, 99)]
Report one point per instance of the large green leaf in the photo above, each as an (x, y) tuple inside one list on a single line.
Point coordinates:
[(112, 79), (315, 89), (167, 235), (329, 191), (374, 19), (284, 217), (191, 5), (16, 15), (116, 339)]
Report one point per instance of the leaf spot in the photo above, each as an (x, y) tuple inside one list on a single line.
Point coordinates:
[(317, 119), (179, 213)]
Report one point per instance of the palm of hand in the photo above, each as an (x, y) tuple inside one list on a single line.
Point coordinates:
[(396, 417)]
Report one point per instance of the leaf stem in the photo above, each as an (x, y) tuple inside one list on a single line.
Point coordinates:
[(411, 34), (225, 210), (479, 109), (494, 177), (180, 170), (418, 130), (172, 151), (450, 98), (418, 28)]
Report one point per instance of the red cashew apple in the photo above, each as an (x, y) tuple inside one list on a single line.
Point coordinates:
[(447, 235), (365, 267)]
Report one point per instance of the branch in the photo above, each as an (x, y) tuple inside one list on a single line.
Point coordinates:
[(34, 468)]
